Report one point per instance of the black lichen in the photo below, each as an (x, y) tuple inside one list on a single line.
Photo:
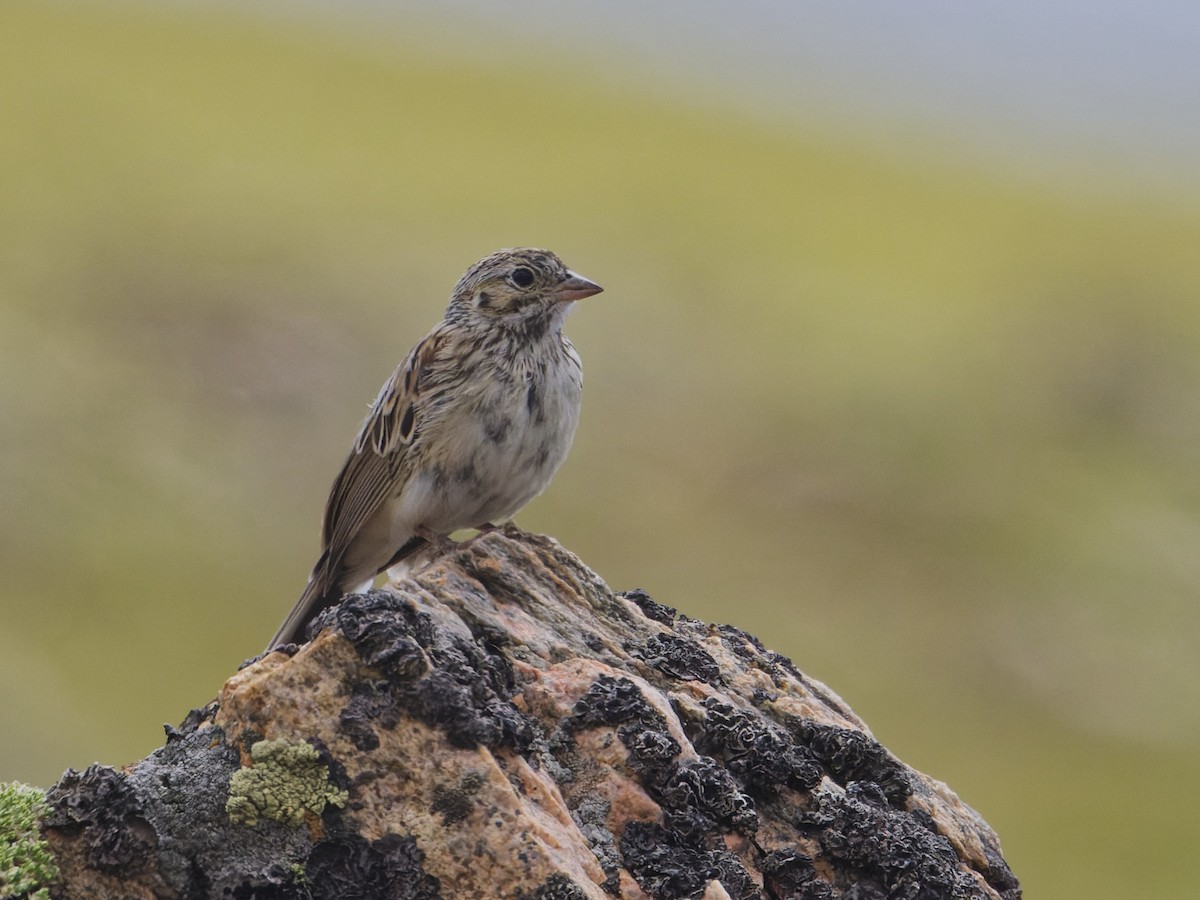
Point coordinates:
[(279, 882), (455, 802), (699, 799), (438, 676), (368, 700), (593, 642), (665, 869), (680, 658), (100, 804), (613, 701), (337, 772), (556, 887), (388, 632), (790, 875), (753, 653), (191, 722), (443, 701), (352, 868), (849, 755), (652, 610), (758, 754), (892, 848), (733, 876), (866, 889), (650, 751), (642, 729)]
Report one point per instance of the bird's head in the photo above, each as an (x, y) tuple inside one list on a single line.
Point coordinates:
[(518, 287)]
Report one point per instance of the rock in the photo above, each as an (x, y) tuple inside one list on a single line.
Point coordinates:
[(502, 725)]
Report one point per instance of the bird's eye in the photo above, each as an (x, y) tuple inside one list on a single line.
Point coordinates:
[(522, 277)]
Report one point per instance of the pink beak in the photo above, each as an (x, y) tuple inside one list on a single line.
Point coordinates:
[(576, 287)]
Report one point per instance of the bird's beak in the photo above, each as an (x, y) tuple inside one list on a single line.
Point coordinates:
[(576, 287)]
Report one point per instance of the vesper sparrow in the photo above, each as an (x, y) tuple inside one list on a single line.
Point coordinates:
[(471, 426)]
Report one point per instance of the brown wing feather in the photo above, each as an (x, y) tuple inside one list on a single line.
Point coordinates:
[(371, 472), (377, 457)]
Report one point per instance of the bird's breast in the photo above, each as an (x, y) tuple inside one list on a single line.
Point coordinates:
[(501, 445)]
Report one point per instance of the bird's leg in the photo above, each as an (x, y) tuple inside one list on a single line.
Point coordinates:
[(439, 543)]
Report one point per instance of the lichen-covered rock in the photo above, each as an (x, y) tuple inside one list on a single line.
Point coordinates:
[(502, 725)]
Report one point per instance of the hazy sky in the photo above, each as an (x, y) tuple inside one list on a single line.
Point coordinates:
[(1115, 84)]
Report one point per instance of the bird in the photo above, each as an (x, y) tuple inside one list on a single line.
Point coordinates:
[(470, 427)]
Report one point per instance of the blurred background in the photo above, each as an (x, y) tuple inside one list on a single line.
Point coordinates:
[(898, 363)]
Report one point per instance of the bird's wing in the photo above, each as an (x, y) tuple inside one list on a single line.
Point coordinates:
[(376, 461)]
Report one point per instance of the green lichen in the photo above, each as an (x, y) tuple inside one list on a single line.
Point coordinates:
[(286, 781), (26, 863)]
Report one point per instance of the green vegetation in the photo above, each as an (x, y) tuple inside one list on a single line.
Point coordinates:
[(929, 429), (26, 863)]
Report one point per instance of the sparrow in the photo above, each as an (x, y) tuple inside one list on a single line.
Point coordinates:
[(469, 428)]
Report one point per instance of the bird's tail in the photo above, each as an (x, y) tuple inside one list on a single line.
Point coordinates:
[(315, 598), (325, 587)]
